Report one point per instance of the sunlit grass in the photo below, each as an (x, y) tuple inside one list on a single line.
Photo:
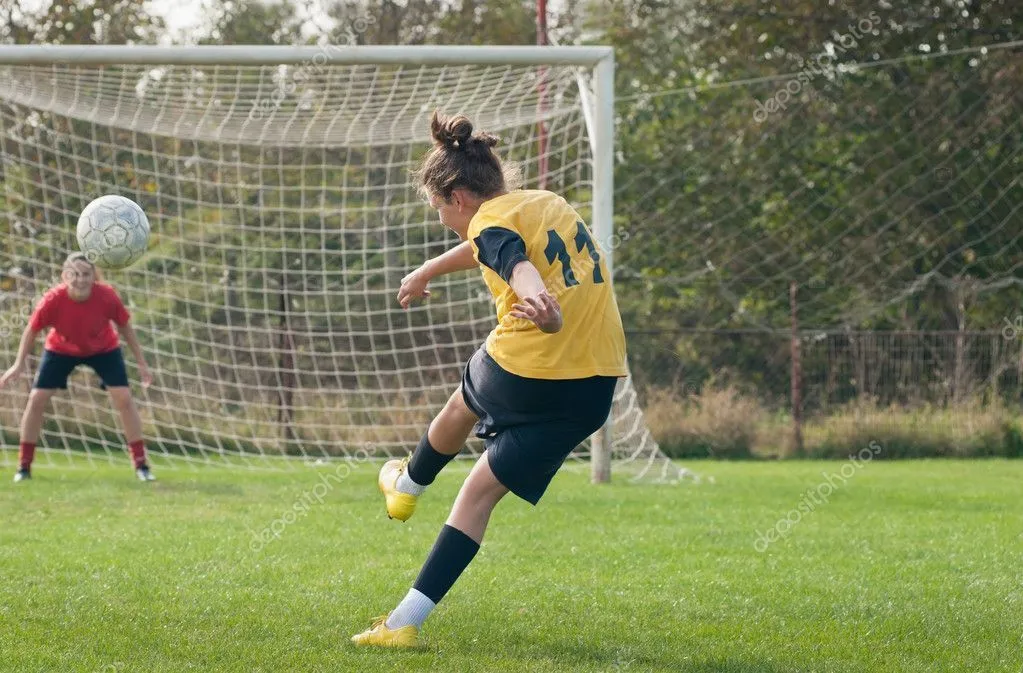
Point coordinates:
[(910, 566)]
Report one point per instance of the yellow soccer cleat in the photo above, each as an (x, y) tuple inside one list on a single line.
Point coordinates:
[(380, 636), (399, 505)]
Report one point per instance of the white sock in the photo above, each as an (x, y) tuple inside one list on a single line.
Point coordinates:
[(413, 609), (404, 484)]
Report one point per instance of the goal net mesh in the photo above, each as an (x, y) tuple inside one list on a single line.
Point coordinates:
[(284, 218)]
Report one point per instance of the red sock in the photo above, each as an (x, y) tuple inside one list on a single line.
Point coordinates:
[(138, 452), (26, 452)]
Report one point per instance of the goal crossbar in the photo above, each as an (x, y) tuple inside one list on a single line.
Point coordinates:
[(290, 55)]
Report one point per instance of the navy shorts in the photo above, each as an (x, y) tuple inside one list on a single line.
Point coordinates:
[(529, 426), (54, 368)]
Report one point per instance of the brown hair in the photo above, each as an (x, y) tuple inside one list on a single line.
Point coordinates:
[(461, 159)]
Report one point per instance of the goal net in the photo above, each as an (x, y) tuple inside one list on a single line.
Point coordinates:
[(284, 219)]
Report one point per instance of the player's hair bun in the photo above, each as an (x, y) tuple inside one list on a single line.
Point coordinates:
[(461, 159), (456, 133), (451, 132)]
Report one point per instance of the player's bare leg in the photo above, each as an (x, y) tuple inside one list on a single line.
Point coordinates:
[(403, 481), (477, 498), (31, 423), (132, 424), (451, 427), (32, 418), (454, 549)]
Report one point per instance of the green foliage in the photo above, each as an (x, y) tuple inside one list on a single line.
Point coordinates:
[(765, 203), (880, 193), (253, 22), (417, 22), (88, 22)]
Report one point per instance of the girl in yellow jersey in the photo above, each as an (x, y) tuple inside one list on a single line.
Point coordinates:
[(543, 381)]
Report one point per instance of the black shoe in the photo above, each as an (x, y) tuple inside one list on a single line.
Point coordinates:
[(22, 474), (143, 473)]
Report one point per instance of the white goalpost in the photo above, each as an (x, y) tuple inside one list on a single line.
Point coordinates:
[(276, 181)]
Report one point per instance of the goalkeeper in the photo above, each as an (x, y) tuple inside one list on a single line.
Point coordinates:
[(543, 381), (79, 312)]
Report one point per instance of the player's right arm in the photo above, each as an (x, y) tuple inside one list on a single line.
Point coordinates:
[(20, 366), (501, 249), (413, 286), (41, 318), (535, 303)]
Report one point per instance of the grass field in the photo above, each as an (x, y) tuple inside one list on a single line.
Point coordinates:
[(909, 566)]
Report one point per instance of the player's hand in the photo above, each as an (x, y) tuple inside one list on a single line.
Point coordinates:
[(543, 310), (16, 371), (146, 376), (413, 286)]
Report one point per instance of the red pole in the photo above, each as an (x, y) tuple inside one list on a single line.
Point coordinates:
[(541, 40)]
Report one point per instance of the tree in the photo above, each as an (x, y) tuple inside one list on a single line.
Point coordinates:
[(88, 22), (881, 192), (253, 22)]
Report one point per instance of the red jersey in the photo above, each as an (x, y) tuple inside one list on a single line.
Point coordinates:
[(80, 328)]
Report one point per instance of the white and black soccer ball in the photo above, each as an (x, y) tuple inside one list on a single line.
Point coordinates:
[(113, 232)]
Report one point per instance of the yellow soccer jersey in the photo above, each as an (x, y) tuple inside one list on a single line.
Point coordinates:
[(542, 227)]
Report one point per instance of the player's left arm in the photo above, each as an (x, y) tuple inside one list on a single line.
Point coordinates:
[(127, 333), (413, 286), (119, 314), (504, 251)]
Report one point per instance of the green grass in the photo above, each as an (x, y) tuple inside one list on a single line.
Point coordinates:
[(911, 566)]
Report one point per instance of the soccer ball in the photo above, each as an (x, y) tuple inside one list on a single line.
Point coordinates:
[(113, 232)]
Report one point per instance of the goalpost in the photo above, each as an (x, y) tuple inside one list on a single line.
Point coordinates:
[(276, 180)]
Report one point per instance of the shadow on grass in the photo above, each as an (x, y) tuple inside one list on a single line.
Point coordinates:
[(568, 655), (171, 485), (628, 658), (167, 482)]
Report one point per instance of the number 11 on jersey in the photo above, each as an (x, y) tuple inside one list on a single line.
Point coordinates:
[(557, 250)]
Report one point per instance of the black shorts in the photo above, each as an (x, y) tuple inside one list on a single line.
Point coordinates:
[(529, 426), (54, 368)]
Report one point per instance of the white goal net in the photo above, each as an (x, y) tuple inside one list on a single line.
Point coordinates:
[(283, 218)]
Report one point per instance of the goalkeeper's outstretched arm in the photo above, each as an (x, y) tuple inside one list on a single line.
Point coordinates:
[(413, 286)]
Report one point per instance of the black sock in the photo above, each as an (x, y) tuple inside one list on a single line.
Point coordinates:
[(426, 463), (451, 554)]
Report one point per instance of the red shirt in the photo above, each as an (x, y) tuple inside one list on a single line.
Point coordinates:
[(80, 328)]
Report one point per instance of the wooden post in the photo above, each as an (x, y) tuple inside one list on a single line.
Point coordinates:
[(1019, 371), (286, 381), (959, 365), (797, 398), (996, 362)]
